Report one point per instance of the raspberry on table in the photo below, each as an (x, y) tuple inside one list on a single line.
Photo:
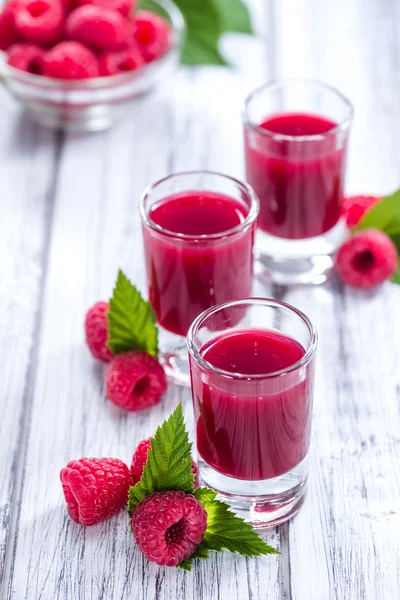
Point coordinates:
[(40, 21), (95, 488), (125, 7), (8, 32), (355, 207), (111, 63), (103, 29), (96, 331), (26, 57), (139, 460), (168, 526), (135, 380), (71, 60), (152, 34), (366, 259)]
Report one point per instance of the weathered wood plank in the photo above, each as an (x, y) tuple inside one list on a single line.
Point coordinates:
[(28, 167), (96, 230), (343, 543)]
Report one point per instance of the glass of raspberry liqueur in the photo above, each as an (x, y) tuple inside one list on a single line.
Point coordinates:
[(198, 233), (295, 136), (252, 372)]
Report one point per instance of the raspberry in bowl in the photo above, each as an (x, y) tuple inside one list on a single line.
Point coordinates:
[(75, 64)]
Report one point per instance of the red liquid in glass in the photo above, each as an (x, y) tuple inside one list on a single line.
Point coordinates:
[(253, 429), (299, 183), (186, 276)]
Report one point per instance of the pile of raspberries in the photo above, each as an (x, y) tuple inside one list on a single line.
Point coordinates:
[(134, 380), (79, 39), (167, 526)]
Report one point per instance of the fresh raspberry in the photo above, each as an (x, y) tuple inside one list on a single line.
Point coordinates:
[(111, 63), (96, 331), (139, 460), (366, 259), (354, 208), (8, 32), (95, 488), (70, 60), (26, 57), (125, 7), (152, 35), (168, 526), (40, 21), (135, 380), (103, 29)]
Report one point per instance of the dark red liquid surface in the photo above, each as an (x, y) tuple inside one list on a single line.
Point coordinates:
[(198, 213), (186, 276), (299, 183), (256, 428)]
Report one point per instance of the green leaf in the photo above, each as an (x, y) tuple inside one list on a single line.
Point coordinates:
[(131, 320), (226, 530), (235, 16), (169, 462), (384, 215), (203, 30)]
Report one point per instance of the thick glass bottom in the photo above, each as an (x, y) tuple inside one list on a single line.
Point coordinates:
[(173, 356), (308, 261), (261, 503)]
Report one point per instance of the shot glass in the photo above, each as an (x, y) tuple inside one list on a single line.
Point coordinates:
[(252, 375), (198, 232), (295, 138)]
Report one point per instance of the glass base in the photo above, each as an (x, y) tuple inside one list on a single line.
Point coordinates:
[(173, 356), (261, 503), (308, 261), (75, 119)]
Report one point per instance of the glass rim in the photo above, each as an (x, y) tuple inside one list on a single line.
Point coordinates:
[(342, 126), (195, 353), (249, 219)]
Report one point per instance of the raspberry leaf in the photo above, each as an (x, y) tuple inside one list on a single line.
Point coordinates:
[(234, 15), (169, 462), (225, 530), (206, 22), (131, 320)]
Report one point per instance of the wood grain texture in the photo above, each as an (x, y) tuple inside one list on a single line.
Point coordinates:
[(345, 535), (69, 219), (28, 168)]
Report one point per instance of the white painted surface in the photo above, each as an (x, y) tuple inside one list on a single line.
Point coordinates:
[(69, 219)]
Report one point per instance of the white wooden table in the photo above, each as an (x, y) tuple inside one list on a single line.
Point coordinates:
[(69, 218)]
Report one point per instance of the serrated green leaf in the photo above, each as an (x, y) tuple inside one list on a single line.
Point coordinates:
[(384, 215), (235, 16), (225, 530), (169, 461), (131, 320)]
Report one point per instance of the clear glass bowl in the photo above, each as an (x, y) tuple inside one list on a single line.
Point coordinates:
[(91, 104)]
